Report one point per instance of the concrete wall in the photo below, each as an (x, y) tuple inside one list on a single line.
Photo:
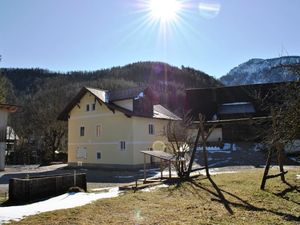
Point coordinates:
[(25, 190)]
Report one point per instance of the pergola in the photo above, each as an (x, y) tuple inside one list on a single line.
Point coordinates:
[(163, 156)]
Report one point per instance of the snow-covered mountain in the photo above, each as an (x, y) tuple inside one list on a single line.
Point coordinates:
[(257, 71)]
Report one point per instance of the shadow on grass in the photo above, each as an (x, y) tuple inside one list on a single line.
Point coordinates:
[(218, 193), (290, 188)]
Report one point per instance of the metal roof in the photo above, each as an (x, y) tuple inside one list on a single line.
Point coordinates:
[(161, 112), (236, 107), (161, 155)]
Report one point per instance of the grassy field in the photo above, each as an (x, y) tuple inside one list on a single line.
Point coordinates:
[(196, 202)]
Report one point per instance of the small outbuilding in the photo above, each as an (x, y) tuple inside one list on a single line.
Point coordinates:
[(5, 109)]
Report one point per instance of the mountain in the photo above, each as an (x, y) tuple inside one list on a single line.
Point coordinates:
[(257, 71), (140, 73)]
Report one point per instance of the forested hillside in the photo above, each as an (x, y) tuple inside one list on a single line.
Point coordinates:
[(42, 94)]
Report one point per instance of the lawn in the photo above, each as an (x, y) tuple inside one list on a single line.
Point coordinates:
[(196, 202)]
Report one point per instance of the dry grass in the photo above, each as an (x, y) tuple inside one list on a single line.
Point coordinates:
[(195, 202), (3, 197)]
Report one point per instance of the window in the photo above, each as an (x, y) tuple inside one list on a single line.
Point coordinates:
[(122, 145), (98, 155), (98, 130), (81, 131), (93, 106), (87, 107), (151, 129)]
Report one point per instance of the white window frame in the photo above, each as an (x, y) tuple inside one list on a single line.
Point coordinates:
[(151, 129), (122, 145), (98, 132)]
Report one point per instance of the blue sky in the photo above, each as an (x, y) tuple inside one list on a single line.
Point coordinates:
[(65, 35)]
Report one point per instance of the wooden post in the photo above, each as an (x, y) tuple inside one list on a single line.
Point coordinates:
[(75, 183), (279, 148), (145, 173), (170, 169), (161, 169), (263, 182), (193, 154)]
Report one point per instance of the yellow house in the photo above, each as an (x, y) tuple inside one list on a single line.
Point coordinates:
[(108, 129)]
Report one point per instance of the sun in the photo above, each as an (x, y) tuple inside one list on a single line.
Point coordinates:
[(164, 10)]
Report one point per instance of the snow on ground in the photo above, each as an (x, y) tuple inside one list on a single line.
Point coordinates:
[(65, 201), (123, 177), (214, 149), (297, 160), (154, 187)]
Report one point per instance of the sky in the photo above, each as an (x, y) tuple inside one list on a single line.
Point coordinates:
[(209, 35)]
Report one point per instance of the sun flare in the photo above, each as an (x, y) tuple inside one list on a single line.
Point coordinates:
[(164, 10)]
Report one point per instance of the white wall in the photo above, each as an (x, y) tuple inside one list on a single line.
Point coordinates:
[(3, 123)]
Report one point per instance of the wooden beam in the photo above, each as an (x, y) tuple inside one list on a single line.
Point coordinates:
[(100, 103), (276, 175), (234, 120), (145, 175), (170, 175), (161, 170)]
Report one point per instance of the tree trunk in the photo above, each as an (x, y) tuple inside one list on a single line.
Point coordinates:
[(193, 154), (266, 172)]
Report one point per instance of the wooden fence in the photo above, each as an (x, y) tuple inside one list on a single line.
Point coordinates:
[(33, 188)]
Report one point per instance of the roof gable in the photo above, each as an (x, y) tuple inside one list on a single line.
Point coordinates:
[(159, 112)]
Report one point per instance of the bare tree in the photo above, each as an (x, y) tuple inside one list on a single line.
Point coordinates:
[(285, 126), (180, 139)]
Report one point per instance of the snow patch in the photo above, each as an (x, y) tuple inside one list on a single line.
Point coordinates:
[(214, 149), (65, 201), (123, 177), (297, 160), (154, 188)]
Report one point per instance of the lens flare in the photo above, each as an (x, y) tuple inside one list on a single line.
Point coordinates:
[(164, 10), (158, 145), (209, 9)]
